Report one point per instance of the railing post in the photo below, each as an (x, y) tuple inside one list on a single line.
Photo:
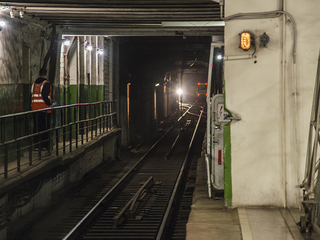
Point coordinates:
[(87, 124), (75, 117), (15, 127), (40, 145), (108, 121), (2, 127), (103, 115), (70, 126), (18, 156), (100, 117), (90, 119), (30, 151), (115, 113), (82, 125), (6, 160), (56, 132), (63, 130), (95, 117)]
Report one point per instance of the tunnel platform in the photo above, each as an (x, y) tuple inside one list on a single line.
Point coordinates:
[(210, 219)]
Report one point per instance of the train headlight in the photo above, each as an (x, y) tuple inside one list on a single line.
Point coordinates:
[(245, 40), (179, 91)]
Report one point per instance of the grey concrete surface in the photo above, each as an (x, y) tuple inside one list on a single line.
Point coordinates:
[(210, 219)]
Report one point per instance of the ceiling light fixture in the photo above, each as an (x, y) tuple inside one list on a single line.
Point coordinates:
[(12, 13), (66, 42), (100, 51), (87, 46)]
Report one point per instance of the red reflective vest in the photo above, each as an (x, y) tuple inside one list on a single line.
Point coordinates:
[(37, 101)]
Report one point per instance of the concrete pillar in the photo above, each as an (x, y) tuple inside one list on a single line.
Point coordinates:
[(111, 78), (101, 60), (93, 67), (100, 68), (88, 75), (81, 71)]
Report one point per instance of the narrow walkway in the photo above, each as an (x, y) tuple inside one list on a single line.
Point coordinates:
[(47, 160), (38, 157), (210, 219)]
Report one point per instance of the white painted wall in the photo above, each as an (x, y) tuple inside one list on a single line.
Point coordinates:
[(16, 33), (264, 153)]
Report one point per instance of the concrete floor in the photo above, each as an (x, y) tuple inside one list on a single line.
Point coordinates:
[(210, 219), (69, 203)]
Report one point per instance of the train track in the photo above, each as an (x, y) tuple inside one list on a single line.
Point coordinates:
[(145, 202), (138, 202)]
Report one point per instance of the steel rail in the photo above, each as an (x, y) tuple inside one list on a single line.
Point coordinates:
[(96, 209), (160, 234)]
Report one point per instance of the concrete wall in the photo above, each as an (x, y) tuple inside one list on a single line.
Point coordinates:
[(22, 49), (267, 161), (35, 189), (88, 72)]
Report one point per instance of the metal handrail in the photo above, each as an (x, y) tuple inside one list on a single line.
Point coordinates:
[(69, 124)]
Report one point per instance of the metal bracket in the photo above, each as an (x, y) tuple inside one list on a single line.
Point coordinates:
[(130, 208), (235, 117)]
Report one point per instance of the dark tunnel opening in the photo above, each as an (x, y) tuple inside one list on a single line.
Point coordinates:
[(151, 71)]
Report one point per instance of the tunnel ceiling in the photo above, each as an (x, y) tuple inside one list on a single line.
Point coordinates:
[(151, 59), (124, 18)]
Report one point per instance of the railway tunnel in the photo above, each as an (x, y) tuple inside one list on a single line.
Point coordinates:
[(111, 89), (115, 68)]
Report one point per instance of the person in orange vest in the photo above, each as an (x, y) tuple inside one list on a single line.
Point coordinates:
[(40, 99)]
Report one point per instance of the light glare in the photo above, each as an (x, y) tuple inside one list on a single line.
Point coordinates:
[(66, 42), (2, 23), (179, 91)]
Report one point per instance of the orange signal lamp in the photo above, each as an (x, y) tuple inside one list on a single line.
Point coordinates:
[(198, 94), (198, 83), (245, 40)]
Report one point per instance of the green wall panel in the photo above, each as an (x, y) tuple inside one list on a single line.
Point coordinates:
[(227, 165), (93, 93), (73, 90), (83, 93), (101, 93)]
